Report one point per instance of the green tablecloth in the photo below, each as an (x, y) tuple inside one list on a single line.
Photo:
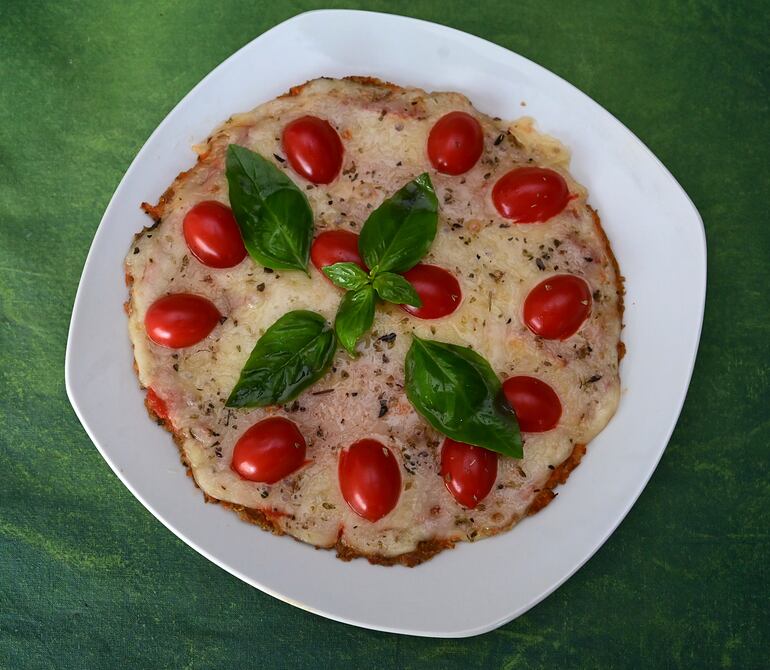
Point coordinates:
[(89, 579)]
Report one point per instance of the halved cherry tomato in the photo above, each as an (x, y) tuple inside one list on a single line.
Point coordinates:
[(213, 236), (314, 149), (536, 404), (370, 479), (180, 320), (530, 194), (455, 143), (336, 246), (438, 289), (557, 307), (469, 472), (269, 451)]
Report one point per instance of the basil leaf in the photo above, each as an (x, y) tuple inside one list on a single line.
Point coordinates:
[(274, 216), (293, 353), (394, 288), (400, 231), (457, 392), (346, 275), (354, 316)]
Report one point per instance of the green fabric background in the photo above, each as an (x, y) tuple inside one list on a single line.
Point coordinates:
[(89, 579)]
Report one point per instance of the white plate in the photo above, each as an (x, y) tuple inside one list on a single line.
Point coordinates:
[(655, 231)]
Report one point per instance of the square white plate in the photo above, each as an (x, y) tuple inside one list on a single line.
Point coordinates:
[(657, 236)]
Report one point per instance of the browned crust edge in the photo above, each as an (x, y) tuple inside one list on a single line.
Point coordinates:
[(426, 549), (559, 475), (619, 278), (156, 212), (356, 79)]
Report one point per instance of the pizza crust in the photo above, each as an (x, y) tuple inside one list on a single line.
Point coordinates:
[(274, 517)]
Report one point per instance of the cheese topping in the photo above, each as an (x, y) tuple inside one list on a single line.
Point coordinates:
[(496, 262)]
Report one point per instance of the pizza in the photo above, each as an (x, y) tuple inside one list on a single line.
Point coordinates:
[(376, 319)]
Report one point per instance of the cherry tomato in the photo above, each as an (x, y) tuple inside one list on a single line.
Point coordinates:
[(557, 307), (180, 320), (269, 451), (536, 404), (438, 289), (469, 472), (530, 194), (455, 143), (336, 246), (370, 479), (213, 236), (314, 149)]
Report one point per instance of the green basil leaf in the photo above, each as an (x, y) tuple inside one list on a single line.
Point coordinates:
[(346, 275), (274, 216), (354, 316), (394, 288), (400, 231), (294, 352), (456, 391)]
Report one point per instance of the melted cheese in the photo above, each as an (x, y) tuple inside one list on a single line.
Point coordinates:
[(496, 262)]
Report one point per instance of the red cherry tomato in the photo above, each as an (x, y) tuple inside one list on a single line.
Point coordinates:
[(269, 451), (536, 404), (469, 472), (336, 246), (557, 307), (455, 143), (530, 194), (314, 149), (180, 320), (438, 289), (370, 479), (213, 236)]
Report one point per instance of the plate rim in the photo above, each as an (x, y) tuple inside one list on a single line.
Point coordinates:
[(368, 16)]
